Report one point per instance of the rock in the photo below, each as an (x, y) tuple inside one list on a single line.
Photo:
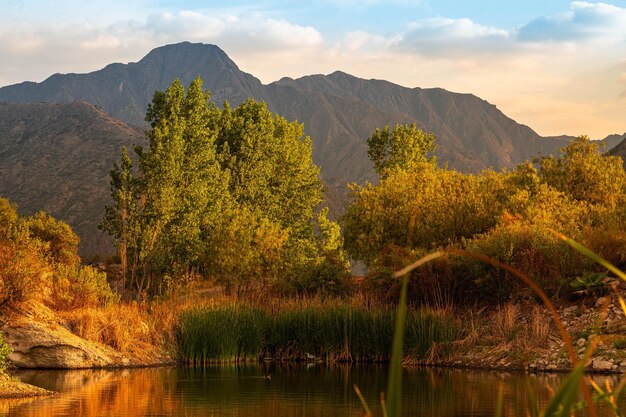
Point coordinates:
[(599, 364), (570, 309), (39, 343), (551, 367), (617, 326), (581, 342), (600, 302)]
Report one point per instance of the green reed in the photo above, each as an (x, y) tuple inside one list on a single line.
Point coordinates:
[(334, 331)]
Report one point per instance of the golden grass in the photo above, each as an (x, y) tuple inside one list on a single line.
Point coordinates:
[(138, 329)]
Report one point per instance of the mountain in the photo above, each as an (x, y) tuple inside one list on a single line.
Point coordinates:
[(611, 141), (339, 110), (56, 158), (620, 148)]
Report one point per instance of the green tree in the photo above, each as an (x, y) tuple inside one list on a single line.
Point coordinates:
[(227, 192), (427, 208), (120, 219), (271, 165), (405, 147)]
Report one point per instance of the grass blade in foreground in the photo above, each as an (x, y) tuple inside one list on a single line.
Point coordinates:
[(394, 385), (591, 255)]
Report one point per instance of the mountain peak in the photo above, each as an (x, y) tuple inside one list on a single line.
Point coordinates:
[(188, 50)]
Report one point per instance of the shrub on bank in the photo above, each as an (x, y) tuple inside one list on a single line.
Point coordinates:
[(5, 351), (39, 261)]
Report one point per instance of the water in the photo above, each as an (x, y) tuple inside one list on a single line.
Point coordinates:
[(293, 391)]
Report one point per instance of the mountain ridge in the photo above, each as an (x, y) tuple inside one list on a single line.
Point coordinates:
[(339, 111)]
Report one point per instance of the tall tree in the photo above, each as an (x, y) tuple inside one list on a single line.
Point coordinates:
[(405, 147), (225, 192)]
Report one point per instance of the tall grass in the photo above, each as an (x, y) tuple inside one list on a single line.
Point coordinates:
[(331, 331)]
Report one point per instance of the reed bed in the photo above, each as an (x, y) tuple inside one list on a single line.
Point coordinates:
[(334, 332)]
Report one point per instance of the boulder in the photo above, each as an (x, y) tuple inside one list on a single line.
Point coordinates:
[(39, 342), (600, 364)]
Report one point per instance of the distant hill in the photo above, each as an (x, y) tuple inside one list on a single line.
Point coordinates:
[(56, 158), (620, 148)]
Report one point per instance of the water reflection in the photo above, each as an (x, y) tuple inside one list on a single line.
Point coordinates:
[(293, 391)]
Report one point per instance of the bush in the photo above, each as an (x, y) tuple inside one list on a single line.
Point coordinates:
[(60, 243), (5, 350), (78, 287), (24, 273), (533, 249)]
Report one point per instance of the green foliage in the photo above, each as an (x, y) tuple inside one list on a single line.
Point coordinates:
[(229, 193), (5, 350), (418, 207), (591, 283), (583, 173), (405, 147), (78, 287), (619, 343), (60, 243), (427, 208), (526, 246)]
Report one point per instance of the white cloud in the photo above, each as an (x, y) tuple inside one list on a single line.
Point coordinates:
[(32, 51), (584, 22), (440, 35)]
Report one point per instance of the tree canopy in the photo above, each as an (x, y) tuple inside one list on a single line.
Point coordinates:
[(225, 192), (418, 207), (405, 147)]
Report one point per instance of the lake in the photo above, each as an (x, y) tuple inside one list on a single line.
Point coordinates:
[(294, 390)]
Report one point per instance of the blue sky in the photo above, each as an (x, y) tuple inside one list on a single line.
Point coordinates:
[(557, 66)]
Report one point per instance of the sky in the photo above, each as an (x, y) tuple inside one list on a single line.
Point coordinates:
[(556, 66)]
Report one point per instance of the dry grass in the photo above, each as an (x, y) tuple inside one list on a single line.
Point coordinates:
[(506, 322), (136, 329)]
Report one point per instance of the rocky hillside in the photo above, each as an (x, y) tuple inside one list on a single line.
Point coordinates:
[(56, 158), (620, 148), (339, 111)]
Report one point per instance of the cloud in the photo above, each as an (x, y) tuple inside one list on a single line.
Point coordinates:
[(440, 36), (33, 51), (254, 29), (584, 22)]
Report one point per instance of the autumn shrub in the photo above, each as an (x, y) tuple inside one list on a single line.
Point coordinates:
[(24, 273), (77, 287), (609, 243), (59, 242)]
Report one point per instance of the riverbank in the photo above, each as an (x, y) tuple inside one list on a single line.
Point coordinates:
[(518, 336), (522, 336), (13, 388)]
